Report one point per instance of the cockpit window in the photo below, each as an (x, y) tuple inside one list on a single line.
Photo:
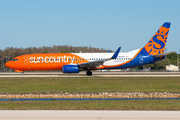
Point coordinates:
[(14, 59)]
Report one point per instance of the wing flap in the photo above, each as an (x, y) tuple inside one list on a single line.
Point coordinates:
[(91, 64)]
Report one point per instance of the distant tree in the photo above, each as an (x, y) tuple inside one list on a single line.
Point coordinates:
[(175, 62), (149, 66), (162, 64), (172, 57), (45, 52)]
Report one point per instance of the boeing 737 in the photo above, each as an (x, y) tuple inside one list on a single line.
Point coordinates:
[(75, 62)]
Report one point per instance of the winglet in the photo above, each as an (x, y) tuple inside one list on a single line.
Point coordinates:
[(116, 53)]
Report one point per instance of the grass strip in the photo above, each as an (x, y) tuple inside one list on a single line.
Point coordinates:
[(89, 85), (92, 105)]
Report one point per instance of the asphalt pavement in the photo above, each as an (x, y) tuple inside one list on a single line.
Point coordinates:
[(87, 115)]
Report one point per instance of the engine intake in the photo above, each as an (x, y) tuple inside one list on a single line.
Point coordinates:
[(70, 69)]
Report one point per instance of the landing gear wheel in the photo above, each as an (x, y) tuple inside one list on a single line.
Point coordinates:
[(22, 73), (89, 73)]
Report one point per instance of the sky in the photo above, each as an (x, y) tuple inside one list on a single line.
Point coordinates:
[(107, 24)]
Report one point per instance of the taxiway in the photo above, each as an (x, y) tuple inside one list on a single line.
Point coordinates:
[(87, 115), (103, 75)]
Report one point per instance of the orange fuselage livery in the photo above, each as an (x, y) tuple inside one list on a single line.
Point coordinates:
[(76, 62), (46, 61)]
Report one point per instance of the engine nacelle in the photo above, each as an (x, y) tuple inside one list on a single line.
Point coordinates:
[(70, 69)]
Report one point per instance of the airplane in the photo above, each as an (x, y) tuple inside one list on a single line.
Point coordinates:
[(75, 62)]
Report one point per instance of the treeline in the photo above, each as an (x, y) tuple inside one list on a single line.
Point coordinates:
[(10, 52)]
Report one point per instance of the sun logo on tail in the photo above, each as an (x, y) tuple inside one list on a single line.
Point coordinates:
[(158, 42)]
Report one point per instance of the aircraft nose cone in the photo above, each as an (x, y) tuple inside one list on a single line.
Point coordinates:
[(8, 64)]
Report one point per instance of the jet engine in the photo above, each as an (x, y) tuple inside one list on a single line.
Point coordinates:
[(70, 69)]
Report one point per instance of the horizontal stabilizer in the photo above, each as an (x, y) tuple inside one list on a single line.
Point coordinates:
[(164, 54)]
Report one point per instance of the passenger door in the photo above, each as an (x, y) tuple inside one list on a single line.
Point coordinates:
[(26, 60), (141, 59)]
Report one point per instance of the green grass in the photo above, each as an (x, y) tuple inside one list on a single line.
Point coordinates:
[(92, 105), (89, 84)]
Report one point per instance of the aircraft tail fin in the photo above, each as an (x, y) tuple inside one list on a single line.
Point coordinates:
[(157, 43)]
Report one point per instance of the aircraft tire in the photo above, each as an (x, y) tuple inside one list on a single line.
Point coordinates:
[(89, 73)]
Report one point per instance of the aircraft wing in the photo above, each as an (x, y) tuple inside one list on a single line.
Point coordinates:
[(160, 55), (99, 62)]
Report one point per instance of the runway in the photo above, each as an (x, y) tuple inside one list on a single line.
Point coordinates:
[(25, 76), (95, 74), (87, 115)]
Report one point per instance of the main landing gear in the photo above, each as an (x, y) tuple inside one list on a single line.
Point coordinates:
[(89, 73)]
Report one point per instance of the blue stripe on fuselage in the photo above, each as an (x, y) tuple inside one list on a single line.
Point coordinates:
[(136, 62)]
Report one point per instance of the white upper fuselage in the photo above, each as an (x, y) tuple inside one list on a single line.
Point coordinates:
[(122, 57)]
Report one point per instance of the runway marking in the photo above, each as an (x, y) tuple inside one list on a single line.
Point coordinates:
[(99, 118)]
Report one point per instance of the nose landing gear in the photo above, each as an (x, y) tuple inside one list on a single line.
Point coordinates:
[(22, 73)]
